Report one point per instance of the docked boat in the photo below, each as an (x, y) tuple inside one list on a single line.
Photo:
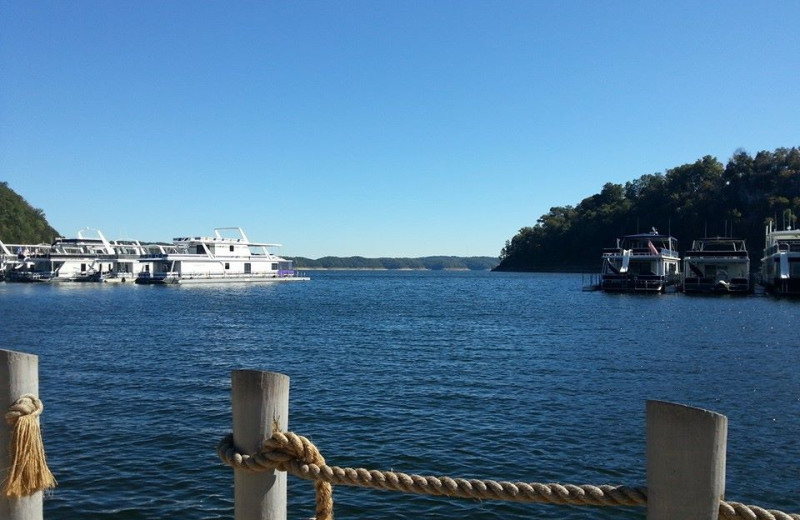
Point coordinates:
[(717, 265), (85, 258), (780, 265), (646, 262), (123, 265), (18, 263), (216, 259), (6, 260)]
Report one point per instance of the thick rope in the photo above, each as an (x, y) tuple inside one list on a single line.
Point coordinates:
[(281, 452), (28, 472), (287, 451)]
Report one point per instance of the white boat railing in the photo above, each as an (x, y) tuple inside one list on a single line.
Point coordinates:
[(639, 252)]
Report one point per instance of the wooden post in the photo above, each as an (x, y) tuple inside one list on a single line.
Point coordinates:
[(260, 399), (685, 462), (19, 375)]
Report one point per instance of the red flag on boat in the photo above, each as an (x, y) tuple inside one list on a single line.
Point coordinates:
[(652, 248)]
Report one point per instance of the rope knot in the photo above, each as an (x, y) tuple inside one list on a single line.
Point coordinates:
[(27, 405), (286, 447), (283, 451), (279, 452)]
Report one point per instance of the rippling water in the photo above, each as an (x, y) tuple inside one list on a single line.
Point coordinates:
[(485, 375)]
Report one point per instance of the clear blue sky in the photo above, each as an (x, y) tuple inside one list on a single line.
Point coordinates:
[(376, 128)]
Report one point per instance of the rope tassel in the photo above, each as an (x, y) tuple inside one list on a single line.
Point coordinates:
[(28, 472)]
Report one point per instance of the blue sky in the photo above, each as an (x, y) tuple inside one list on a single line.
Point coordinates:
[(376, 128)]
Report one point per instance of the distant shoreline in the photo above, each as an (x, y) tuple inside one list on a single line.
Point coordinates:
[(384, 269), (426, 263)]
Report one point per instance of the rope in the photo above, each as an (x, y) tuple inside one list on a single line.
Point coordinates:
[(736, 511), (28, 472), (295, 454)]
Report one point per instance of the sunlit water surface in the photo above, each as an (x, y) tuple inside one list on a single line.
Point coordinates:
[(479, 375)]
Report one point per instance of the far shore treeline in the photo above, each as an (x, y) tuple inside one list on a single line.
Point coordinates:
[(701, 199)]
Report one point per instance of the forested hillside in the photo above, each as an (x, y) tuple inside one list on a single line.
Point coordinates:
[(21, 223), (705, 198)]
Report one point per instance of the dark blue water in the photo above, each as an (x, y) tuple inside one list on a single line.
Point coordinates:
[(484, 375)]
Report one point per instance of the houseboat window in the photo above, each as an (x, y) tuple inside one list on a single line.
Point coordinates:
[(227, 265), (231, 249), (274, 267), (200, 250), (247, 268)]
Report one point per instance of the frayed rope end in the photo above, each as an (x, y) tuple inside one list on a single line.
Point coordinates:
[(28, 472)]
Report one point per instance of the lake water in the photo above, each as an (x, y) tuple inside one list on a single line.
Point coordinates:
[(473, 374)]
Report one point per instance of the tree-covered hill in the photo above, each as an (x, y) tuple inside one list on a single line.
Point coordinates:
[(21, 223), (477, 263), (705, 198)]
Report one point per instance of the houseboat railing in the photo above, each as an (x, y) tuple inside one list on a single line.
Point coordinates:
[(784, 246), (638, 252)]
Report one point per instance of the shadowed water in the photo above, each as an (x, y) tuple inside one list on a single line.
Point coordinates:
[(477, 375)]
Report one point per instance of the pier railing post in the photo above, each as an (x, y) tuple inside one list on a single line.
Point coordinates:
[(685, 462), (260, 400), (19, 375)]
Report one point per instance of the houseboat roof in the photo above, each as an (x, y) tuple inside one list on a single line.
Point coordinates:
[(792, 233), (220, 239), (649, 235), (719, 244)]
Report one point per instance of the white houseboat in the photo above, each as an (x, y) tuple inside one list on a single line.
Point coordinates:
[(81, 259), (216, 259), (7, 260), (647, 262), (718, 264), (18, 260), (780, 265)]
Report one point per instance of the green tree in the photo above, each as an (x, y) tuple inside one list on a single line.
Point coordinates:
[(689, 201), (20, 223)]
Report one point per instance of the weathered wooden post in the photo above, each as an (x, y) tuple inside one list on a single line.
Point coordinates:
[(19, 375), (260, 400), (685, 462)]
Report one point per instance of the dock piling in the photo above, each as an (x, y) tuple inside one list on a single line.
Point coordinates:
[(19, 375), (685, 461), (260, 401)]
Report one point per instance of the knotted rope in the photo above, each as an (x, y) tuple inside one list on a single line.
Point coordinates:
[(283, 451), (28, 472), (295, 454)]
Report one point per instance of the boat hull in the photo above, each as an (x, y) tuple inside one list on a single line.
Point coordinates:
[(780, 265), (711, 286), (617, 283), (200, 279), (782, 286)]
